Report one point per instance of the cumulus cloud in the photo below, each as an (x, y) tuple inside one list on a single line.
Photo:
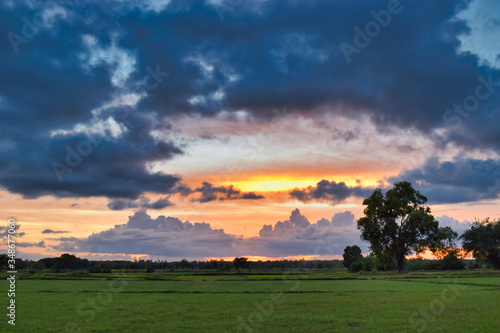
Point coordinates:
[(163, 236), (171, 237), (343, 219), (297, 236), (456, 225)]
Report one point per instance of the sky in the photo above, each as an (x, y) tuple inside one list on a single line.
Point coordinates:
[(213, 129)]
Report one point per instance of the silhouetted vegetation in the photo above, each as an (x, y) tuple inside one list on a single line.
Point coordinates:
[(483, 240), (398, 223), (353, 258), (77, 267)]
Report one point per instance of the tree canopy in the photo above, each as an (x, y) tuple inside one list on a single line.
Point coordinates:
[(240, 262), (399, 223), (351, 254), (483, 240)]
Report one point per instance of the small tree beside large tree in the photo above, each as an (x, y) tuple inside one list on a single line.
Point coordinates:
[(483, 240), (399, 223), (351, 255)]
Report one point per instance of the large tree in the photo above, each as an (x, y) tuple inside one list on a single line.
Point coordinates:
[(483, 240), (399, 223)]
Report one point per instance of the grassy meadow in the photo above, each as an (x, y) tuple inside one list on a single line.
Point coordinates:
[(289, 301)]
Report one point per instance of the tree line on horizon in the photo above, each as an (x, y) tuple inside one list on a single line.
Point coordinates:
[(68, 263)]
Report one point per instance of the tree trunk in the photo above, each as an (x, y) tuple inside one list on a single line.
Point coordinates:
[(401, 263)]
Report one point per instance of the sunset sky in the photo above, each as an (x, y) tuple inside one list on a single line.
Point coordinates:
[(213, 129)]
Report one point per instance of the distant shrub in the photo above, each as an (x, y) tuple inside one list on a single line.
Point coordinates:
[(368, 264), (452, 262), (356, 266), (474, 264), (77, 274), (95, 269)]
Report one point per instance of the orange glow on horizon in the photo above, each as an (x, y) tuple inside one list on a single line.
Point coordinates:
[(276, 184), (257, 258), (266, 183), (428, 255)]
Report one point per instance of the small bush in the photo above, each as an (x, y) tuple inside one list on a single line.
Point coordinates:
[(452, 262), (77, 274), (356, 266), (95, 269)]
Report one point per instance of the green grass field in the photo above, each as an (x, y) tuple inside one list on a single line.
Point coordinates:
[(329, 301)]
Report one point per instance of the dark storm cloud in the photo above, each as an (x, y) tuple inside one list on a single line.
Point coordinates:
[(46, 87), (281, 62), (330, 191), (183, 59), (251, 196), (456, 181), (205, 193), (4, 231), (460, 180), (211, 193), (50, 231), (142, 202), (39, 244), (113, 168)]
